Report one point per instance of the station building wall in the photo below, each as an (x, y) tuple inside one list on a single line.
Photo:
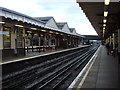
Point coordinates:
[(14, 40)]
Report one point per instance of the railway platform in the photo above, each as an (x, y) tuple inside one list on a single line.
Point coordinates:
[(38, 54), (103, 73)]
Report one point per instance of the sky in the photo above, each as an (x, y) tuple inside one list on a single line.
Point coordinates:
[(62, 11)]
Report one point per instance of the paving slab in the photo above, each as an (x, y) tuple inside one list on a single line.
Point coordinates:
[(104, 73)]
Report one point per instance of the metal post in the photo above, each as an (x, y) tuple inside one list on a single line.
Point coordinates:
[(24, 41), (32, 42), (114, 48), (1, 39), (113, 41), (110, 40), (1, 48)]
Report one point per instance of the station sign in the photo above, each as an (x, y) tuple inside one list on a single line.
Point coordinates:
[(4, 32)]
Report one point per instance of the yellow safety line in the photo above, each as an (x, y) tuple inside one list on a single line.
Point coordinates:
[(84, 77)]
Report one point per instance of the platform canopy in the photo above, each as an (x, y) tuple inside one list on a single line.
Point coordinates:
[(104, 15)]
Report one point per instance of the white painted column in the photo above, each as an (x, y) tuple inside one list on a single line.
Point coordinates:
[(1, 36), (110, 40), (39, 41), (1, 39), (23, 41), (13, 37), (1, 48), (113, 41), (49, 41)]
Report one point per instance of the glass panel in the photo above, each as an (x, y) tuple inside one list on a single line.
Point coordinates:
[(6, 37), (53, 42), (19, 44), (41, 42), (30, 39), (6, 44), (35, 40), (19, 38), (47, 41)]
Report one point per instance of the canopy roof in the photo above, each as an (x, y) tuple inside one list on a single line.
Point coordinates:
[(94, 10), (7, 13)]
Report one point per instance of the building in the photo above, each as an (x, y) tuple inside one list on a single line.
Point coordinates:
[(21, 34)]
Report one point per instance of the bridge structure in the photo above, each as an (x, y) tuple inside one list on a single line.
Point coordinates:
[(92, 37)]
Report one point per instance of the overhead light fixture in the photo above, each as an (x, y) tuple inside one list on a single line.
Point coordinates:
[(50, 32), (2, 22), (19, 25), (104, 25), (107, 2), (57, 33), (41, 35), (29, 32), (105, 13), (104, 21), (43, 30), (33, 28), (36, 34), (103, 28)]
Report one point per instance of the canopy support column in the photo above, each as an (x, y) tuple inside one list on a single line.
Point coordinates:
[(1, 39)]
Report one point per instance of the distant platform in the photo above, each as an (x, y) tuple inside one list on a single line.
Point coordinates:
[(34, 55)]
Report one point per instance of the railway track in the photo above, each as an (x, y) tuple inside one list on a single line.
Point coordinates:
[(52, 74)]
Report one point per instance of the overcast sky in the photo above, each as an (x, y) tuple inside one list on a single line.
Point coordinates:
[(62, 11)]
